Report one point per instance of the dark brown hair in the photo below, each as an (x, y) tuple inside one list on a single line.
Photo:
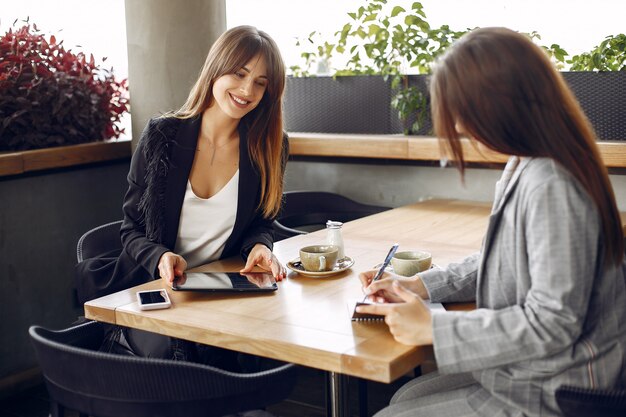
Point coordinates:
[(502, 90), (231, 51)]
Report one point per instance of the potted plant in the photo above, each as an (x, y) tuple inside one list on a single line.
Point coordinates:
[(598, 78), (51, 96), (382, 43), (385, 41)]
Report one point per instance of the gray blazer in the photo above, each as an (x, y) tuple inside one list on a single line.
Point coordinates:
[(549, 313)]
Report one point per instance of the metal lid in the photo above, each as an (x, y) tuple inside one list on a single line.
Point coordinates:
[(333, 224)]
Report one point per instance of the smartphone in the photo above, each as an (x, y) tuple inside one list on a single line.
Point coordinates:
[(153, 299)]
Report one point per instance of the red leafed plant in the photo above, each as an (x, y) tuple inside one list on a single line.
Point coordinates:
[(50, 96)]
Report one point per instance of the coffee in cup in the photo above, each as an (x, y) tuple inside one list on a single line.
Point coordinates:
[(319, 258), (409, 263)]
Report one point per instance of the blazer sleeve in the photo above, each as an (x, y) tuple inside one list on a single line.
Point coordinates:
[(261, 229), (456, 283), (562, 241), (133, 232)]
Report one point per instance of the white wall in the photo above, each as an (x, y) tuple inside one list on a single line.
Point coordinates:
[(393, 185)]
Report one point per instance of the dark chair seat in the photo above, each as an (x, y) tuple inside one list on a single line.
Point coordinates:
[(308, 211), (101, 384), (585, 402)]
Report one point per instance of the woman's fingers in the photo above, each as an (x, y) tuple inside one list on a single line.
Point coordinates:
[(170, 266), (366, 278), (250, 262), (403, 292)]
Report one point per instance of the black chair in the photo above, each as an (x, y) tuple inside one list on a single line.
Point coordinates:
[(308, 211), (585, 402), (80, 378), (99, 240)]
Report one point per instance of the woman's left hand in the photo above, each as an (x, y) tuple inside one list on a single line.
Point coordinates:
[(261, 256), (410, 322)]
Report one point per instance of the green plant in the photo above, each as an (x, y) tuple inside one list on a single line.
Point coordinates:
[(386, 40), (50, 96), (610, 55)]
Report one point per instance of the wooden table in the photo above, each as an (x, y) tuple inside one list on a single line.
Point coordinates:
[(307, 321)]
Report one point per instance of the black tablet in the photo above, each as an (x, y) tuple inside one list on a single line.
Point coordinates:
[(225, 282)]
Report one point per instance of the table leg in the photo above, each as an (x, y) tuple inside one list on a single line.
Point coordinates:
[(337, 395)]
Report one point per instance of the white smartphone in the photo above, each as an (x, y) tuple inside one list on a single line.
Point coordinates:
[(153, 299)]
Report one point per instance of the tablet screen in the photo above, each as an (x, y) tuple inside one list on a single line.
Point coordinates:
[(225, 281)]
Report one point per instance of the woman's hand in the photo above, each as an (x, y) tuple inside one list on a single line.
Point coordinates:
[(171, 266), (381, 291), (262, 256), (410, 321)]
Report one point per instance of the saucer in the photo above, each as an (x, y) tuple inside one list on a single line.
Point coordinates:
[(343, 264)]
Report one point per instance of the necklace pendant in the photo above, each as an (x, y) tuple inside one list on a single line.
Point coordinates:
[(212, 156)]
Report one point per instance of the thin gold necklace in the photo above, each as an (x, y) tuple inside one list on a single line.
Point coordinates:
[(215, 148)]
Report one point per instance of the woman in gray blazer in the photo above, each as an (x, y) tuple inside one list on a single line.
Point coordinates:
[(549, 280)]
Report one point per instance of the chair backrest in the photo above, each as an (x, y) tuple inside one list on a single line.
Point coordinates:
[(99, 240), (307, 211), (107, 385), (586, 402)]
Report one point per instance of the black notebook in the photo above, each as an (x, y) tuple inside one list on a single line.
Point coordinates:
[(434, 307), (365, 316)]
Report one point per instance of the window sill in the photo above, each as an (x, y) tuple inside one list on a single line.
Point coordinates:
[(415, 148), (16, 163)]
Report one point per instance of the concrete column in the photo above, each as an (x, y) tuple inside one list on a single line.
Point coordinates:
[(168, 42)]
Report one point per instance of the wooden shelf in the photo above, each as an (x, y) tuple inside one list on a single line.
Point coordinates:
[(20, 162), (415, 148)]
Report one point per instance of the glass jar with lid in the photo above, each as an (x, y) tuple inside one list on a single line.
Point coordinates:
[(333, 237)]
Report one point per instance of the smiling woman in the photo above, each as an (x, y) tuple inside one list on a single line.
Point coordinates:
[(205, 181)]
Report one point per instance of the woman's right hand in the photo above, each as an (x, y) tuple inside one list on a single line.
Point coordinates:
[(381, 292), (171, 266)]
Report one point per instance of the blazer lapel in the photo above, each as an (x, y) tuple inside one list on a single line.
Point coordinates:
[(507, 187), (181, 159)]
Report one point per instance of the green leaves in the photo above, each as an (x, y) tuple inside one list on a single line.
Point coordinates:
[(385, 38), (609, 55), (397, 10)]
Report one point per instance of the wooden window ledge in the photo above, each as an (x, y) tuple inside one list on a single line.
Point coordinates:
[(416, 148), (401, 147), (16, 163)]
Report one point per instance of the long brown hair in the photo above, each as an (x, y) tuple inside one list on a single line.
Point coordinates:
[(504, 92), (231, 51)]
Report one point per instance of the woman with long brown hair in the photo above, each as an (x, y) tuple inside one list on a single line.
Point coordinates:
[(205, 181), (549, 280)]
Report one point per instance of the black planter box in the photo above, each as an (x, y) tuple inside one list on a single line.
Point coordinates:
[(602, 95), (361, 104)]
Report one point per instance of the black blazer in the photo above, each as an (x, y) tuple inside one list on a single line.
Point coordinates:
[(157, 180)]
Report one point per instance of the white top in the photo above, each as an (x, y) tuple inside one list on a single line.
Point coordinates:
[(206, 223)]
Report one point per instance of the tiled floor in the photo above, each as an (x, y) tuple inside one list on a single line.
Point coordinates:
[(306, 400)]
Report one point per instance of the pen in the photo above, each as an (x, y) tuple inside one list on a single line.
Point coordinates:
[(380, 272)]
